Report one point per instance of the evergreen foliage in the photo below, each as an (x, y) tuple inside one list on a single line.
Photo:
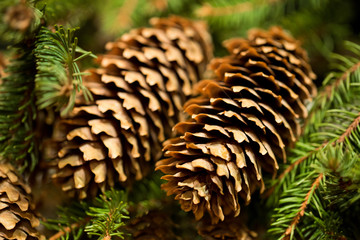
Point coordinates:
[(17, 108), (18, 112), (58, 76), (107, 215), (316, 192), (323, 161), (103, 217)]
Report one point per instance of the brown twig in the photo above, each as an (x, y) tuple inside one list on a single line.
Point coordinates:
[(341, 139), (107, 232), (300, 160), (304, 204), (349, 130), (329, 89), (62, 232), (316, 183), (291, 167), (210, 11)]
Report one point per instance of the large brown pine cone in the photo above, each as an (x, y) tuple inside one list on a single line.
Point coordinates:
[(239, 125), (17, 219), (138, 91)]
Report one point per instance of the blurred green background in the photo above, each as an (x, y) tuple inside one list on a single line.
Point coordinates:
[(322, 25)]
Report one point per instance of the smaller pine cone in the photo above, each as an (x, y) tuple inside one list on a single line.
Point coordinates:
[(17, 219), (230, 229), (155, 225), (239, 125), (139, 90)]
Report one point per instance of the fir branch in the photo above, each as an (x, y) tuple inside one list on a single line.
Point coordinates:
[(71, 221), (341, 165), (336, 86), (108, 214), (326, 214), (18, 112), (336, 124), (329, 89), (326, 103), (67, 230), (304, 168), (58, 77), (17, 98), (302, 209), (292, 201), (291, 168), (300, 160), (103, 217), (340, 139), (352, 127), (207, 10)]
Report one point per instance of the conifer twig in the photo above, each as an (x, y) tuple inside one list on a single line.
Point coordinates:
[(209, 11), (329, 89), (304, 204), (300, 160), (349, 130), (341, 139), (291, 167), (66, 230)]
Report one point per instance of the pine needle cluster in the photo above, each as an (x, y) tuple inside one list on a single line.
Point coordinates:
[(320, 183)]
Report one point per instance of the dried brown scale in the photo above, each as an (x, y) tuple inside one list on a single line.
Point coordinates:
[(230, 229), (139, 89), (240, 124), (17, 218)]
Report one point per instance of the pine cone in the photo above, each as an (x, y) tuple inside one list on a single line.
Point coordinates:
[(17, 219), (239, 125), (138, 91), (230, 229), (155, 225)]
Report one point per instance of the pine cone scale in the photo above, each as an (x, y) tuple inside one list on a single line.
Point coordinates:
[(17, 218), (138, 94)]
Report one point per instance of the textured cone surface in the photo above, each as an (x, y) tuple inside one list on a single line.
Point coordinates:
[(138, 91), (17, 220), (155, 225), (230, 229), (239, 125)]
